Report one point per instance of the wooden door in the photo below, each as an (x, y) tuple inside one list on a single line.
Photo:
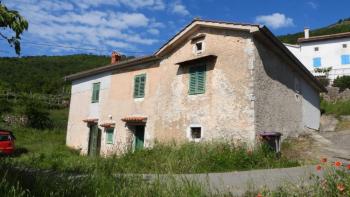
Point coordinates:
[(139, 137), (94, 140)]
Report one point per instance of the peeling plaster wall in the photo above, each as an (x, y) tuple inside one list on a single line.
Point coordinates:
[(225, 111), (277, 106)]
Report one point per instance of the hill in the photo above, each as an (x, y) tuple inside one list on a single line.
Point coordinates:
[(44, 74), (341, 26)]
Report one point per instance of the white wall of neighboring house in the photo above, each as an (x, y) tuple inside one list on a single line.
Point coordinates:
[(330, 52)]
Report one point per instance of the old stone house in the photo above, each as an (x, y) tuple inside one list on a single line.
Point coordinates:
[(212, 81)]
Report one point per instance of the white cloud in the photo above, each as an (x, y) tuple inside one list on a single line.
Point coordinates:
[(275, 20), (153, 31), (179, 8), (312, 4), (61, 22)]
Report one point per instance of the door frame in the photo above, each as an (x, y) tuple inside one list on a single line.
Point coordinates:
[(93, 129), (136, 130)]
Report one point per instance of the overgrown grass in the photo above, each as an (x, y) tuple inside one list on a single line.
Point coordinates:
[(337, 108), (46, 150)]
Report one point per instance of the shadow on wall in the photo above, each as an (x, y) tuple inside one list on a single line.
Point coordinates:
[(285, 73)]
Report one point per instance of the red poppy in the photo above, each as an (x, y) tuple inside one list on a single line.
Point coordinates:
[(338, 163), (323, 160), (259, 195), (318, 168), (348, 166), (340, 187)]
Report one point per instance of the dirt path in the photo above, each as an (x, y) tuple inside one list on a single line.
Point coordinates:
[(333, 145)]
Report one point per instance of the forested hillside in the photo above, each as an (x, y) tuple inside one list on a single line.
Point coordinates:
[(44, 74), (341, 26)]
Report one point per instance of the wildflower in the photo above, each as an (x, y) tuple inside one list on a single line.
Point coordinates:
[(318, 168), (340, 187), (324, 160), (259, 195), (338, 163), (348, 166)]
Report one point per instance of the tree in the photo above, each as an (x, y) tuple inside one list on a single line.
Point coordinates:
[(11, 19), (342, 82)]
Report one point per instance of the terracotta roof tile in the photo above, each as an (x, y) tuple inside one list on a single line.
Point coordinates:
[(134, 119)]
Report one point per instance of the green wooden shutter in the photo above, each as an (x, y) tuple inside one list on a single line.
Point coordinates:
[(139, 86), (197, 80), (109, 135), (95, 92)]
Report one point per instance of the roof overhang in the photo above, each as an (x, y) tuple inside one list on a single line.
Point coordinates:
[(324, 37), (90, 120), (111, 67), (198, 59), (187, 31), (108, 124)]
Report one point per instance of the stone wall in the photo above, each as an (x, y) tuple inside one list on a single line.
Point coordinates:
[(334, 94)]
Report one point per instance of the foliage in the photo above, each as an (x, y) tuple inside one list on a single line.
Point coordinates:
[(47, 150), (11, 19), (323, 80), (340, 27), (342, 82), (45, 74), (337, 108), (334, 182), (96, 184), (5, 106), (37, 114)]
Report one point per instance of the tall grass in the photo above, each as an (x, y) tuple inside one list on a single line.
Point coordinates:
[(337, 108), (46, 150)]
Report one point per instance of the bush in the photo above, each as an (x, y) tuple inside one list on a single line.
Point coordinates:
[(324, 81), (342, 82), (37, 114)]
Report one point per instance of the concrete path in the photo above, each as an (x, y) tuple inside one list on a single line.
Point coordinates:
[(333, 145), (237, 183)]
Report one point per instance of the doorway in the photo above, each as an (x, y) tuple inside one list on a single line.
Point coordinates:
[(139, 137), (94, 140)]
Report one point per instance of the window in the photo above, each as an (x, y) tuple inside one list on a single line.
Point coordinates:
[(196, 132), (139, 86), (345, 46), (4, 138), (198, 47), (109, 135), (345, 59), (197, 80), (316, 48), (317, 62), (95, 92)]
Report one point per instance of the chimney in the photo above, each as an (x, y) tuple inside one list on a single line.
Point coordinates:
[(115, 57), (307, 33)]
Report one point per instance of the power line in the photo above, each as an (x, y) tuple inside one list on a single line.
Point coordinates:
[(55, 45)]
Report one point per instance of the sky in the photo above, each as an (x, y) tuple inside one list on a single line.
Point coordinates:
[(140, 27)]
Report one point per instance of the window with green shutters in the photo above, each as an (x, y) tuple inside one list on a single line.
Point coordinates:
[(139, 86), (197, 80), (95, 92), (109, 135)]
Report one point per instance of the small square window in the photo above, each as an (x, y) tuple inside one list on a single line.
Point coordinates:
[(345, 46), (198, 47), (196, 132), (316, 49)]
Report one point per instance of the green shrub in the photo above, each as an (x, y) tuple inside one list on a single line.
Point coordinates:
[(342, 82), (337, 108), (36, 112)]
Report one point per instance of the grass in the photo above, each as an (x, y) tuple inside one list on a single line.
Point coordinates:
[(338, 108), (45, 149)]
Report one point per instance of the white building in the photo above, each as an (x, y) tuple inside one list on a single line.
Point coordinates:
[(323, 52)]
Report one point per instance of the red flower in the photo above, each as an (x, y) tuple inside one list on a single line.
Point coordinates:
[(259, 195), (318, 168), (348, 166), (338, 163), (323, 160), (340, 187)]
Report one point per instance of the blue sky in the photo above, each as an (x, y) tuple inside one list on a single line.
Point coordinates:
[(140, 27)]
